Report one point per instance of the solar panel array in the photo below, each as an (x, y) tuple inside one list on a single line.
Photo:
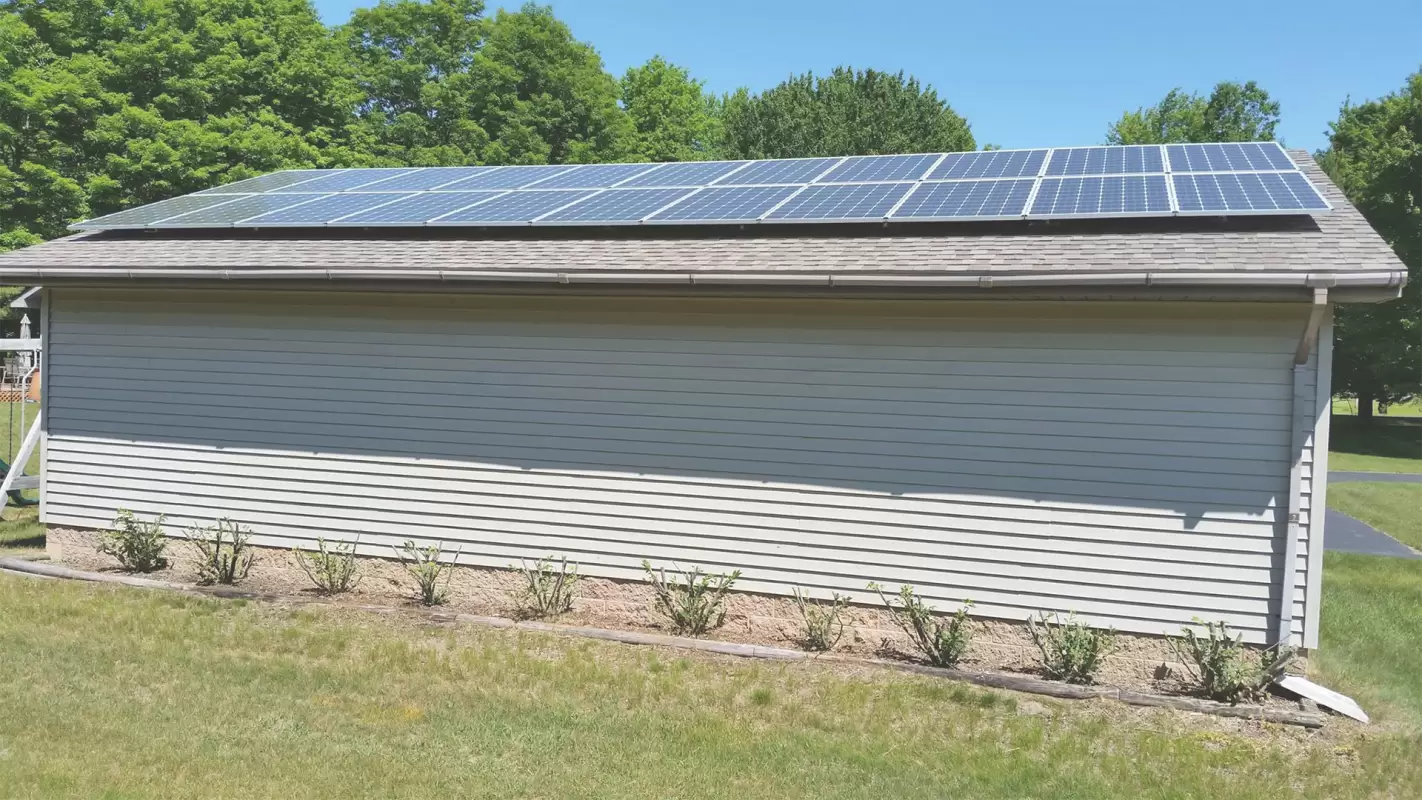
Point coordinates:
[(1062, 183)]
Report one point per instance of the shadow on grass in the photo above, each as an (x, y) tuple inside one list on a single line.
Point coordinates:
[(20, 529), (1388, 437)]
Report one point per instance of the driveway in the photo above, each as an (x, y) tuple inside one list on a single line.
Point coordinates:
[(1344, 534)]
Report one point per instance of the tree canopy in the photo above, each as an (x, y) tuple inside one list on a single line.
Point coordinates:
[(1232, 113), (672, 117)]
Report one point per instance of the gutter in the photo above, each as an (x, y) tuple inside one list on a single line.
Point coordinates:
[(1299, 427)]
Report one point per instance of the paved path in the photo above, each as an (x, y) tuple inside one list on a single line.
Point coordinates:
[(1344, 534)]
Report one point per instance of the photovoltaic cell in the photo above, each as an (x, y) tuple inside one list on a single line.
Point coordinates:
[(831, 202), (1126, 160), (986, 199), (1229, 157), (694, 173), (422, 180), (990, 164), (144, 215), (728, 204), (416, 209), (269, 183), (801, 170), (1121, 195), (343, 181), (505, 178), (320, 212), (593, 176), (1233, 193), (227, 214), (513, 208), (617, 205), (881, 168)]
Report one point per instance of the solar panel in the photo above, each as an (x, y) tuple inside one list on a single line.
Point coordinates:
[(225, 215), (268, 183), (513, 208), (616, 205), (319, 212), (505, 178), (422, 180), (343, 181), (881, 168), (859, 201), (990, 164), (1246, 193), (593, 176), (143, 216), (726, 204), (1124, 160), (1120, 195), (789, 170), (1229, 157), (415, 209), (692, 173), (961, 200)]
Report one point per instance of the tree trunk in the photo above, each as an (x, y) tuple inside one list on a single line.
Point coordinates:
[(1365, 406)]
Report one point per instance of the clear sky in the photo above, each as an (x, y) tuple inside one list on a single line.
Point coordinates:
[(1025, 74)]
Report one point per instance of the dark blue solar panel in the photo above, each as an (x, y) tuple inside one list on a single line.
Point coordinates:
[(514, 207), (145, 215), (798, 170), (881, 168), (505, 178), (716, 204), (617, 205), (1118, 160), (417, 209), (320, 212), (1228, 157), (1235, 193), (227, 214), (593, 176), (694, 173), (422, 180), (990, 164), (831, 202), (343, 181), (267, 183), (989, 199), (1122, 195)]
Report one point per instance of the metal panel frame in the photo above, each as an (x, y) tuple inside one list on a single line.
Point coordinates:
[(979, 218), (1106, 214), (1249, 212)]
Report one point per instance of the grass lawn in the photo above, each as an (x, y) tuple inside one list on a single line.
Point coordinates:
[(1389, 444), (1372, 624), (1344, 405), (1393, 508)]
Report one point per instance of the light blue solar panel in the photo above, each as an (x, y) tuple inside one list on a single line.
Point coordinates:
[(1246, 193), (960, 200), (593, 176), (505, 178), (425, 179), (990, 164), (834, 202), (694, 173), (881, 168), (726, 204), (1228, 157), (1115, 160), (319, 212), (616, 205), (416, 209), (513, 208), (267, 183), (144, 215), (225, 215), (342, 181), (800, 170), (1110, 196)]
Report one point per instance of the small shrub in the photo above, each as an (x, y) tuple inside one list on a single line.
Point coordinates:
[(824, 622), (332, 569), (137, 545), (694, 605), (1071, 651), (223, 555), (423, 564), (1221, 666), (549, 587), (943, 640)]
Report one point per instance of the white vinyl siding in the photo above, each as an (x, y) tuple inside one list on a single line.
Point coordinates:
[(1127, 461)]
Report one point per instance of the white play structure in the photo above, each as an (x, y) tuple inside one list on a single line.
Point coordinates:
[(19, 385)]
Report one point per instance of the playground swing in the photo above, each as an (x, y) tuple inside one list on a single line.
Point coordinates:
[(20, 387)]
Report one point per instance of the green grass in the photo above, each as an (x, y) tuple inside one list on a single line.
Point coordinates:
[(1372, 634), (21, 532), (1344, 405), (1387, 444), (1393, 508)]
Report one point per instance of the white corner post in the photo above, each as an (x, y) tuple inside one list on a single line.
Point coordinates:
[(1300, 426)]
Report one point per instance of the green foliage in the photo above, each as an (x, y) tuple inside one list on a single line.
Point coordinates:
[(1232, 113), (1071, 651), (332, 569), (549, 587), (847, 112), (223, 555), (824, 622), (696, 603), (1221, 665), (672, 118), (137, 545), (424, 565), (942, 640), (1375, 157)]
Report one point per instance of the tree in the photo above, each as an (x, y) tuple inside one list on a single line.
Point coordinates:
[(1232, 113), (847, 112), (1375, 157), (672, 117)]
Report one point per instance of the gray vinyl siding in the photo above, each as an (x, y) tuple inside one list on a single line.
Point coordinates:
[(1127, 461)]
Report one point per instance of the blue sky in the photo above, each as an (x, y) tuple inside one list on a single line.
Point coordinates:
[(1025, 74)]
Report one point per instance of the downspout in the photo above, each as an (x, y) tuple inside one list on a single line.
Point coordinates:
[(1299, 414)]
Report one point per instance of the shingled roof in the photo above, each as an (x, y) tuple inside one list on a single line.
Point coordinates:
[(1336, 249)]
